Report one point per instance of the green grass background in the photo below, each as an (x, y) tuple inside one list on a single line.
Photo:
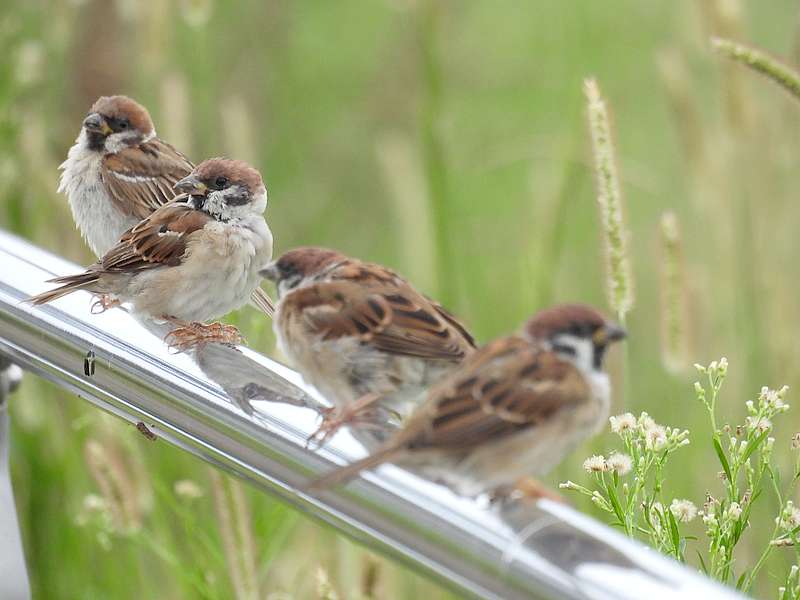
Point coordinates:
[(445, 139)]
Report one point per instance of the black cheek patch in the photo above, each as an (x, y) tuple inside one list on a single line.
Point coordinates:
[(97, 140), (237, 199), (599, 354)]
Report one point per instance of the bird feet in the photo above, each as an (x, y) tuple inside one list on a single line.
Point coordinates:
[(533, 489), (335, 417), (189, 335), (103, 303), (526, 488)]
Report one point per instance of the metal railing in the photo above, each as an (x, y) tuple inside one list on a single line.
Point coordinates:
[(250, 416)]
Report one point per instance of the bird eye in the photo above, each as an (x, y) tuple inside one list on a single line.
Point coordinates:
[(123, 124), (220, 182)]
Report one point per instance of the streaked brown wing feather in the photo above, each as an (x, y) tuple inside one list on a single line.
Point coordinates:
[(140, 178), (159, 240), (391, 318), (502, 388)]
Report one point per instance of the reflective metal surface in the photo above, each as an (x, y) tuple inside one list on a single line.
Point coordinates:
[(253, 421), (13, 573)]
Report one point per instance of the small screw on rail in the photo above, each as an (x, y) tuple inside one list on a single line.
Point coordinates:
[(88, 363)]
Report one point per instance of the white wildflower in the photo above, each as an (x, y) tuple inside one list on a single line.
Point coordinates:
[(595, 464), (622, 423), (620, 463), (683, 510), (93, 502), (655, 437), (646, 422), (761, 425), (735, 511), (790, 517), (188, 489), (600, 502), (773, 398)]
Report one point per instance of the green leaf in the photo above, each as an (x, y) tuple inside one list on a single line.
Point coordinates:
[(740, 581), (673, 530), (722, 459), (612, 496), (702, 562)]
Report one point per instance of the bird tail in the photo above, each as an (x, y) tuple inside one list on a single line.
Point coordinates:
[(70, 283), (263, 302), (346, 473)]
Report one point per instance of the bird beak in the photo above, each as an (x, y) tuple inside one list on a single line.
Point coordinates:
[(191, 185), (270, 272), (95, 123), (609, 333)]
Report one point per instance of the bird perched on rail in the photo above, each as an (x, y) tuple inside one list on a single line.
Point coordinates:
[(360, 333), (513, 409), (119, 171), (192, 260)]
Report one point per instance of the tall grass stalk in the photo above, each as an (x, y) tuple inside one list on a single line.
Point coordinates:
[(619, 280), (433, 152), (761, 62), (682, 96), (236, 552), (724, 18), (674, 327), (116, 484), (412, 214), (236, 123), (176, 116)]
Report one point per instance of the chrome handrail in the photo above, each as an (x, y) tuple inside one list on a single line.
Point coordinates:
[(250, 416)]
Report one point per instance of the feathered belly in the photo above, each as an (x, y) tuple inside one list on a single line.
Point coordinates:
[(214, 279), (100, 222)]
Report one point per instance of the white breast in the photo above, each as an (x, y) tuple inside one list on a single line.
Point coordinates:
[(100, 222), (217, 276)]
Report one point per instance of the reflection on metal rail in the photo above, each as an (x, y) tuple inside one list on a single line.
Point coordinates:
[(250, 416)]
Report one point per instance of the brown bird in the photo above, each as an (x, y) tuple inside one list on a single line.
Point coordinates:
[(360, 333), (194, 259), (513, 409), (119, 171)]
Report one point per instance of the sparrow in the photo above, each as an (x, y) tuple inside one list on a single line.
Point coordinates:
[(191, 260), (513, 409), (360, 333), (119, 171)]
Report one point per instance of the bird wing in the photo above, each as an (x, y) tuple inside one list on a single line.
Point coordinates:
[(506, 386), (140, 178), (390, 317), (159, 240)]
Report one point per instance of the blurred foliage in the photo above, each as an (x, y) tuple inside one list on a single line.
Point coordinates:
[(446, 139)]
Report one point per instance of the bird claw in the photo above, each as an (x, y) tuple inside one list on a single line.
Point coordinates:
[(334, 418), (533, 489), (194, 334), (103, 303)]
